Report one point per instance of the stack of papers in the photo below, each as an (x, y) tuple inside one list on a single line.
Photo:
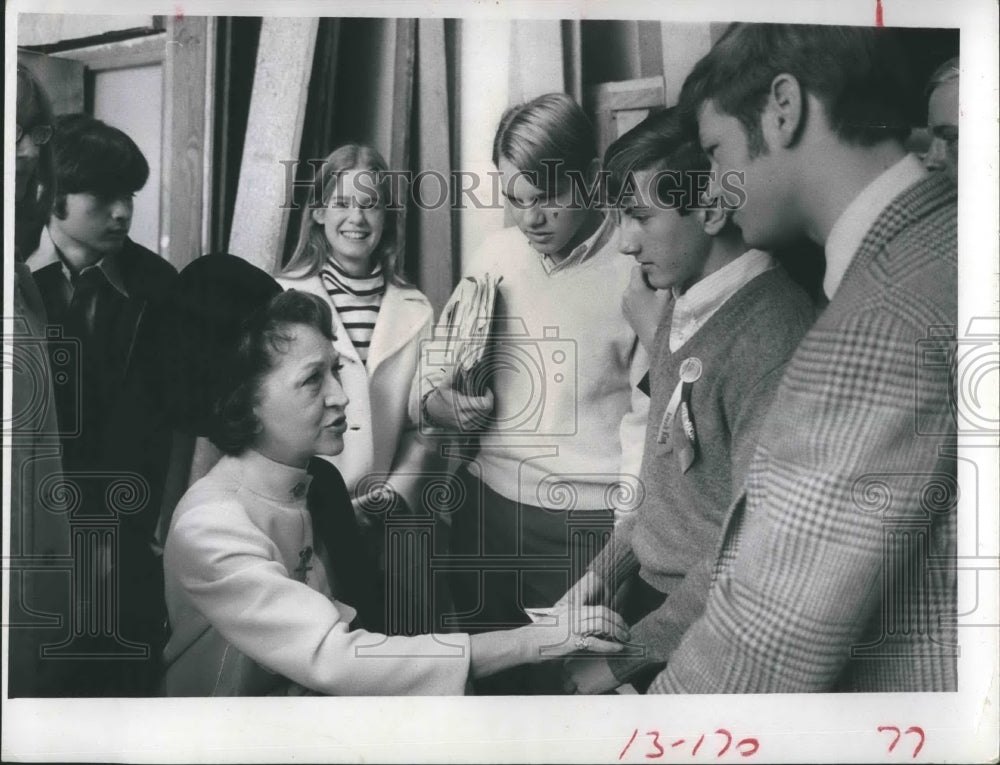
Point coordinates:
[(466, 325)]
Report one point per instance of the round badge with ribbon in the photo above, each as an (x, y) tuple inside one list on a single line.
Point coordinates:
[(690, 373), (691, 369)]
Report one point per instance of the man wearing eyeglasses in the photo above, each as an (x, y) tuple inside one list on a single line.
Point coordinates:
[(39, 134), (33, 160), (30, 139)]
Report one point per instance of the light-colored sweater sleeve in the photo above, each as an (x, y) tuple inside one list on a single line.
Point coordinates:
[(233, 575)]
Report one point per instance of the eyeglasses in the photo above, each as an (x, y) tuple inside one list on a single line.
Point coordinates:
[(40, 134)]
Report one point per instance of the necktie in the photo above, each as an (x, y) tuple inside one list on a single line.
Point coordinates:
[(86, 402), (81, 317)]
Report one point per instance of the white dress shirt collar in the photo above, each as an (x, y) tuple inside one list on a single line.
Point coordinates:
[(860, 215), (47, 254), (584, 250), (696, 306)]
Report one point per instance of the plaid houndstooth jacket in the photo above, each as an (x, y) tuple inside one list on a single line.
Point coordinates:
[(837, 568)]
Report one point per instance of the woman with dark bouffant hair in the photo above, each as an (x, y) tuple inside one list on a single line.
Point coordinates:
[(266, 585)]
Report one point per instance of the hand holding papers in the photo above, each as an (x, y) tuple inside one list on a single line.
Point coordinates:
[(466, 322), (461, 399)]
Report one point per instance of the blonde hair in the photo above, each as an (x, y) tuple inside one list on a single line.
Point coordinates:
[(313, 249), (549, 129)]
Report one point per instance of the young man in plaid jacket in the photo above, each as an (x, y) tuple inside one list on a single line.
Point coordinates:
[(836, 570)]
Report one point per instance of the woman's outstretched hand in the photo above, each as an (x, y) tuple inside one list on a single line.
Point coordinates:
[(565, 630), (562, 631)]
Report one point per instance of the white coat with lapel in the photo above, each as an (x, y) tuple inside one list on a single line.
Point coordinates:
[(381, 440)]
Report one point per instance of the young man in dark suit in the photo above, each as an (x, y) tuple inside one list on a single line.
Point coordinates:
[(836, 570), (101, 292)]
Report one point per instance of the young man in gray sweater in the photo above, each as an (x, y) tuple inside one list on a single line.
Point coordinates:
[(732, 319)]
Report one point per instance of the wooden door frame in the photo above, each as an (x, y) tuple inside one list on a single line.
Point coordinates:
[(608, 99)]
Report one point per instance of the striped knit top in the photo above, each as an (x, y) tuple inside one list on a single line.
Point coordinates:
[(357, 300)]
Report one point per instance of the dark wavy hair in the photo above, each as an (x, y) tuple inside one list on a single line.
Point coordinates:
[(93, 157), (662, 141), (859, 74), (264, 337)]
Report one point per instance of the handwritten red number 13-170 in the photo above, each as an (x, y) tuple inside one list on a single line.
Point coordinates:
[(746, 747)]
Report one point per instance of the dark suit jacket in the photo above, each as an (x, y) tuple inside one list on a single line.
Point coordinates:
[(116, 437), (39, 534), (837, 571)]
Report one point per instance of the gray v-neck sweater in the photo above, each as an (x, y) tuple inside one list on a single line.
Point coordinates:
[(671, 538)]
